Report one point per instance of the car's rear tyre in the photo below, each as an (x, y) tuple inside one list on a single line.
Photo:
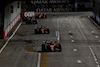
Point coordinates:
[(35, 31), (59, 47), (47, 31), (34, 22), (55, 48), (43, 47), (45, 16), (48, 48)]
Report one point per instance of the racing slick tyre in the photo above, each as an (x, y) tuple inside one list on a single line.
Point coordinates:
[(35, 21), (48, 49), (45, 16), (59, 47), (55, 48), (47, 31), (35, 31), (28, 22), (43, 48), (36, 17)]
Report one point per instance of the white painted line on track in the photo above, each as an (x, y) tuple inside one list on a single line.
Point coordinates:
[(98, 65), (75, 50), (71, 36), (92, 32), (10, 38), (80, 30), (94, 56), (56, 33), (96, 62), (99, 40), (96, 36), (79, 61), (39, 60), (72, 41), (58, 36), (70, 32)]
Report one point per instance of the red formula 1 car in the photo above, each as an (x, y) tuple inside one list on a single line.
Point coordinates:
[(51, 47), (42, 30)]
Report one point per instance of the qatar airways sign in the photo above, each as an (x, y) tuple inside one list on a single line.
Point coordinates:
[(29, 14)]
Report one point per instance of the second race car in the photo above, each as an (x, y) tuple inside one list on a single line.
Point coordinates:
[(42, 30)]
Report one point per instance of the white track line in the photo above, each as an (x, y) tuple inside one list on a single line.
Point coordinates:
[(94, 56), (80, 30), (56, 33), (10, 38), (39, 60), (58, 36)]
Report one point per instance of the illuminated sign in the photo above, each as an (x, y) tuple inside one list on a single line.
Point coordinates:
[(29, 14)]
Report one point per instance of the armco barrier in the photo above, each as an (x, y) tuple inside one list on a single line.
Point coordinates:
[(11, 25)]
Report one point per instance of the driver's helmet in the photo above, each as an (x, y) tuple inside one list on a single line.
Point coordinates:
[(51, 42)]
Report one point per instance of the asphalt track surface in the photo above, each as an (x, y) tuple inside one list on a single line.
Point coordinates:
[(81, 49)]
